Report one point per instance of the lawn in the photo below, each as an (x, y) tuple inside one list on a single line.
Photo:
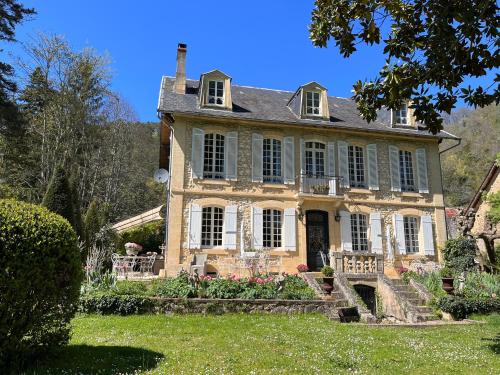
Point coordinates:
[(271, 344)]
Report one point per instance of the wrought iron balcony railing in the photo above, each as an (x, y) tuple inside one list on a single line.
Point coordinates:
[(321, 185)]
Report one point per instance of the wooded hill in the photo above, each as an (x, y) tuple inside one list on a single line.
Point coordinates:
[(465, 166)]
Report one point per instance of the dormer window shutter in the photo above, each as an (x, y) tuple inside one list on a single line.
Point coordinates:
[(231, 157)]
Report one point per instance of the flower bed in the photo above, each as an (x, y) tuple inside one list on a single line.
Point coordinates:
[(129, 297)]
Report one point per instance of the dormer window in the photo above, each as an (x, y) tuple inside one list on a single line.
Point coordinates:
[(313, 103), (216, 92), (401, 115)]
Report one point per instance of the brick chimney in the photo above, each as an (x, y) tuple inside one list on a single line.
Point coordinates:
[(180, 73)]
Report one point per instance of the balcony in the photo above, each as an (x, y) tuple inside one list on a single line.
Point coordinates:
[(321, 185)]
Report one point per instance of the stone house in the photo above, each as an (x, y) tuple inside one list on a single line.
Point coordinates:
[(298, 175)]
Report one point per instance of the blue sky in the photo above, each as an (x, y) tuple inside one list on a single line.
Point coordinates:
[(258, 43)]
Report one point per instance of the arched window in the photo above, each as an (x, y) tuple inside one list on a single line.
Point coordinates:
[(212, 221), (271, 228), (411, 234), (213, 156), (359, 232), (271, 161), (315, 159)]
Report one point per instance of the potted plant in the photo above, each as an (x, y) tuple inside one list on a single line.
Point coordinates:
[(327, 272), (320, 189), (132, 248), (447, 279), (302, 268)]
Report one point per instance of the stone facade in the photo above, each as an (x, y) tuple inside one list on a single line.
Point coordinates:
[(245, 194)]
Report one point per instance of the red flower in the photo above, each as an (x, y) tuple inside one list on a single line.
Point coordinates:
[(302, 268)]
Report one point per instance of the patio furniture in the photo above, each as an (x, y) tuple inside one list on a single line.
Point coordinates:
[(199, 264), (146, 264), (122, 265)]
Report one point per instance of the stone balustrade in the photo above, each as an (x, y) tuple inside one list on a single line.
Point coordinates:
[(358, 263)]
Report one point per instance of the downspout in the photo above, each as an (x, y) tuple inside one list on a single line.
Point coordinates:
[(441, 175), (169, 183)]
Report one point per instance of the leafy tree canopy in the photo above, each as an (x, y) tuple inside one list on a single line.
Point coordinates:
[(431, 47)]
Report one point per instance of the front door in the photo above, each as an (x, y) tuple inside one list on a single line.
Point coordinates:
[(317, 238)]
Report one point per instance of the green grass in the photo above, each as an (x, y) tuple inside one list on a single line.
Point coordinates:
[(271, 344)]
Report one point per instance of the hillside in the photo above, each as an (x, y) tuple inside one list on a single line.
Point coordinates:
[(465, 166)]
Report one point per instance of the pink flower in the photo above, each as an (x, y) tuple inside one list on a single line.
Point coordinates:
[(302, 268), (259, 281)]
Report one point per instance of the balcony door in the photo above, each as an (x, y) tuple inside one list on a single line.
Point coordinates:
[(317, 238), (315, 159)]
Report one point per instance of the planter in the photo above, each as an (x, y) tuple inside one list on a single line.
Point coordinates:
[(448, 284), (131, 251), (132, 248), (327, 285)]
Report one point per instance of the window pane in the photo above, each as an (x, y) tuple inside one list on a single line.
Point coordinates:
[(406, 171), (206, 226), (359, 232), (271, 228)]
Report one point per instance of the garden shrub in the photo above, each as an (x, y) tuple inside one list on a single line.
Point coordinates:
[(109, 303), (174, 287), (130, 288), (459, 254), (150, 236), (460, 307), (266, 290), (40, 277), (296, 288), (481, 285), (224, 288)]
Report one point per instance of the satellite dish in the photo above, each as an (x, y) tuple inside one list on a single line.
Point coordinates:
[(161, 176)]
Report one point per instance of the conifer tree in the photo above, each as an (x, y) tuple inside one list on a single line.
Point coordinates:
[(58, 197)]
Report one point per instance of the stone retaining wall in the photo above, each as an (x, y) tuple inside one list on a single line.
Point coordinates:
[(221, 306)]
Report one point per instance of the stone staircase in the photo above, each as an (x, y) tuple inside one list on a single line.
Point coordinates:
[(415, 304), (336, 296)]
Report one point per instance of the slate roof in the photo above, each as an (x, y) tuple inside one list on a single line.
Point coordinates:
[(260, 104)]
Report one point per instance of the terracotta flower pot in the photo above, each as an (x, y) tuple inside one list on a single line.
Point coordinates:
[(448, 284)]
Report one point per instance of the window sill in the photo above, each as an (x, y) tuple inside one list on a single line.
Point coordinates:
[(359, 191), (410, 194), (273, 185), (212, 181), (218, 250)]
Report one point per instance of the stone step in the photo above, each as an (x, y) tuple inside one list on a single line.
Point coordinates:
[(403, 288), (427, 317), (408, 295), (424, 309), (416, 301)]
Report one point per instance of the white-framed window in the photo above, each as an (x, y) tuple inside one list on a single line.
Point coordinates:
[(401, 115), (411, 234), (213, 156), (271, 161), (406, 174), (216, 92), (313, 103), (356, 158), (271, 228), (212, 221), (359, 232), (315, 159)]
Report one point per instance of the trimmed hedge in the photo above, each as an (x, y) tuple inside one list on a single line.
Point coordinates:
[(461, 308), (40, 277), (115, 304)]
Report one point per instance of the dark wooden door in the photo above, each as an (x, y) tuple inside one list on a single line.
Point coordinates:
[(317, 238)]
